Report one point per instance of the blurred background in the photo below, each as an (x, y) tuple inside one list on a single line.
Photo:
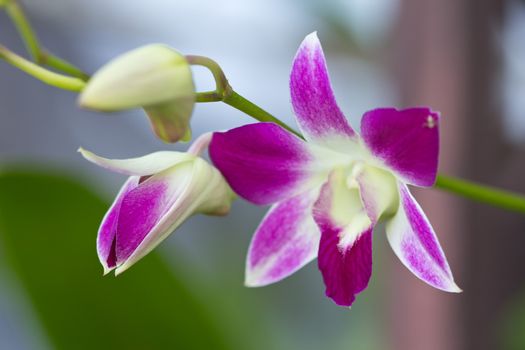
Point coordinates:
[(465, 58)]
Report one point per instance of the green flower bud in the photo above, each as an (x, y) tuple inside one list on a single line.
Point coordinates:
[(154, 77)]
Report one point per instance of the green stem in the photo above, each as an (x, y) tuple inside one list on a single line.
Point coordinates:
[(58, 80), (39, 55), (481, 193), (25, 30), (62, 65), (237, 101), (224, 92), (221, 83)]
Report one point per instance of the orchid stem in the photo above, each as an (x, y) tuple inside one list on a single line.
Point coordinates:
[(224, 92), (38, 54), (55, 79), (221, 82), (481, 193), (237, 101)]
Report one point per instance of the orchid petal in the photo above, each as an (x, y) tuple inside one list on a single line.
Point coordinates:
[(346, 272), (378, 190), (108, 228), (161, 203), (407, 141), (314, 104), (265, 164), (413, 240), (345, 249), (286, 240), (145, 206), (142, 166)]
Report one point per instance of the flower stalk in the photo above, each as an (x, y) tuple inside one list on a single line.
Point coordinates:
[(37, 53), (54, 79), (225, 93), (481, 193)]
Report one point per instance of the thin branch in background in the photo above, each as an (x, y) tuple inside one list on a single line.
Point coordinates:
[(37, 53)]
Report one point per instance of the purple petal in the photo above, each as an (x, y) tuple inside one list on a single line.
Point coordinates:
[(108, 228), (262, 162), (407, 141), (142, 209), (160, 204), (347, 271), (345, 249), (413, 240), (286, 240), (316, 110)]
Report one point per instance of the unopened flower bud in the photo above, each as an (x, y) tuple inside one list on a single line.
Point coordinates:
[(154, 77)]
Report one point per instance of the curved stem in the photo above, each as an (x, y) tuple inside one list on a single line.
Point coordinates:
[(38, 54), (25, 30), (58, 80), (481, 193), (226, 94), (60, 64), (221, 83)]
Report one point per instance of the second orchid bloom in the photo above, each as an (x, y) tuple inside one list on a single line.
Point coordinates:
[(162, 191)]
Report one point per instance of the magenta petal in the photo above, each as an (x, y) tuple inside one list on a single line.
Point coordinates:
[(346, 271), (262, 162), (316, 110), (286, 240), (407, 141), (413, 240), (141, 210), (108, 228)]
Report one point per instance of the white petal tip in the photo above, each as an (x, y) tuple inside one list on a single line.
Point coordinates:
[(251, 281), (450, 288), (312, 36), (89, 156), (454, 289), (311, 40), (119, 270), (107, 270)]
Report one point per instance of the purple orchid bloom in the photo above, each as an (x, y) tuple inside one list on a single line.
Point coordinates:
[(329, 192), (163, 190)]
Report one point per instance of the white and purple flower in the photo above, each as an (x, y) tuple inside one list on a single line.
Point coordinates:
[(329, 192), (163, 190)]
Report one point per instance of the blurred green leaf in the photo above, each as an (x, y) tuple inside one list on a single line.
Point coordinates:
[(513, 324), (48, 226)]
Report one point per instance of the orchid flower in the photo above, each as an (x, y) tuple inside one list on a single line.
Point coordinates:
[(163, 190), (329, 191)]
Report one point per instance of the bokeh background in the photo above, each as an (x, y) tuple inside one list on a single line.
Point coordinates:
[(465, 58)]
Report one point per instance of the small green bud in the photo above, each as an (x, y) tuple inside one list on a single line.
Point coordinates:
[(154, 77)]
